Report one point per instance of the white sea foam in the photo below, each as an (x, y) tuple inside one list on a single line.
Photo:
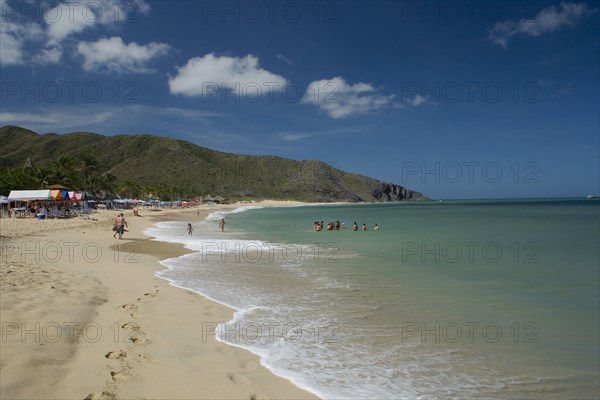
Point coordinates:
[(217, 215)]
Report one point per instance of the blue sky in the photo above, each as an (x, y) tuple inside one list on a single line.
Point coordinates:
[(453, 99)]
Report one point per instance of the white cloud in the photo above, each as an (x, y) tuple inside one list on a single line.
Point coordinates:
[(418, 100), (195, 125), (50, 55), (548, 20), (11, 51), (203, 75), (56, 119), (284, 58), (116, 56), (63, 21), (94, 117), (566, 89), (45, 40), (293, 137), (69, 18), (137, 7), (340, 99), (14, 37), (297, 136)]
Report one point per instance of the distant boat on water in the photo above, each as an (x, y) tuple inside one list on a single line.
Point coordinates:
[(591, 196)]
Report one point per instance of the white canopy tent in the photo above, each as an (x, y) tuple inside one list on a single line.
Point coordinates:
[(27, 195)]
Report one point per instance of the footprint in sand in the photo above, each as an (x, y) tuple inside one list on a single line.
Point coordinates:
[(116, 355), (258, 397), (118, 376), (131, 309), (248, 365), (238, 379), (104, 395), (148, 296), (225, 349), (138, 340), (143, 357), (131, 326)]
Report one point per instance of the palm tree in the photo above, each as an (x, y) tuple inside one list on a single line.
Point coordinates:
[(108, 182), (17, 179), (147, 192), (130, 189), (42, 177), (88, 165), (62, 171)]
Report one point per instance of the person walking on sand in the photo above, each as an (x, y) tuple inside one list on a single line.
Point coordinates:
[(115, 226), (190, 229), (121, 224), (222, 224)]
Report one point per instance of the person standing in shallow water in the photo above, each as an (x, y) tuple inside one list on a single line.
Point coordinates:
[(190, 229), (355, 226), (222, 224)]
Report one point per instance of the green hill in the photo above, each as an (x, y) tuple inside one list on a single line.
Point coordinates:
[(138, 165)]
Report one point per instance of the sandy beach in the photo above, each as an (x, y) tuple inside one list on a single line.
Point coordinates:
[(84, 316)]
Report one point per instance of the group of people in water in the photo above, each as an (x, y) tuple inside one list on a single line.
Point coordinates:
[(337, 225)]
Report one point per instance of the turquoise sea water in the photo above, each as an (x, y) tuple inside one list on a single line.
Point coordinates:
[(465, 299)]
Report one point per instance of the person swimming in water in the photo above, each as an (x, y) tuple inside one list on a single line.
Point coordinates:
[(317, 226)]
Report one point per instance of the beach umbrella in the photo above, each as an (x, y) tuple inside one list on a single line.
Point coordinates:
[(56, 195)]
